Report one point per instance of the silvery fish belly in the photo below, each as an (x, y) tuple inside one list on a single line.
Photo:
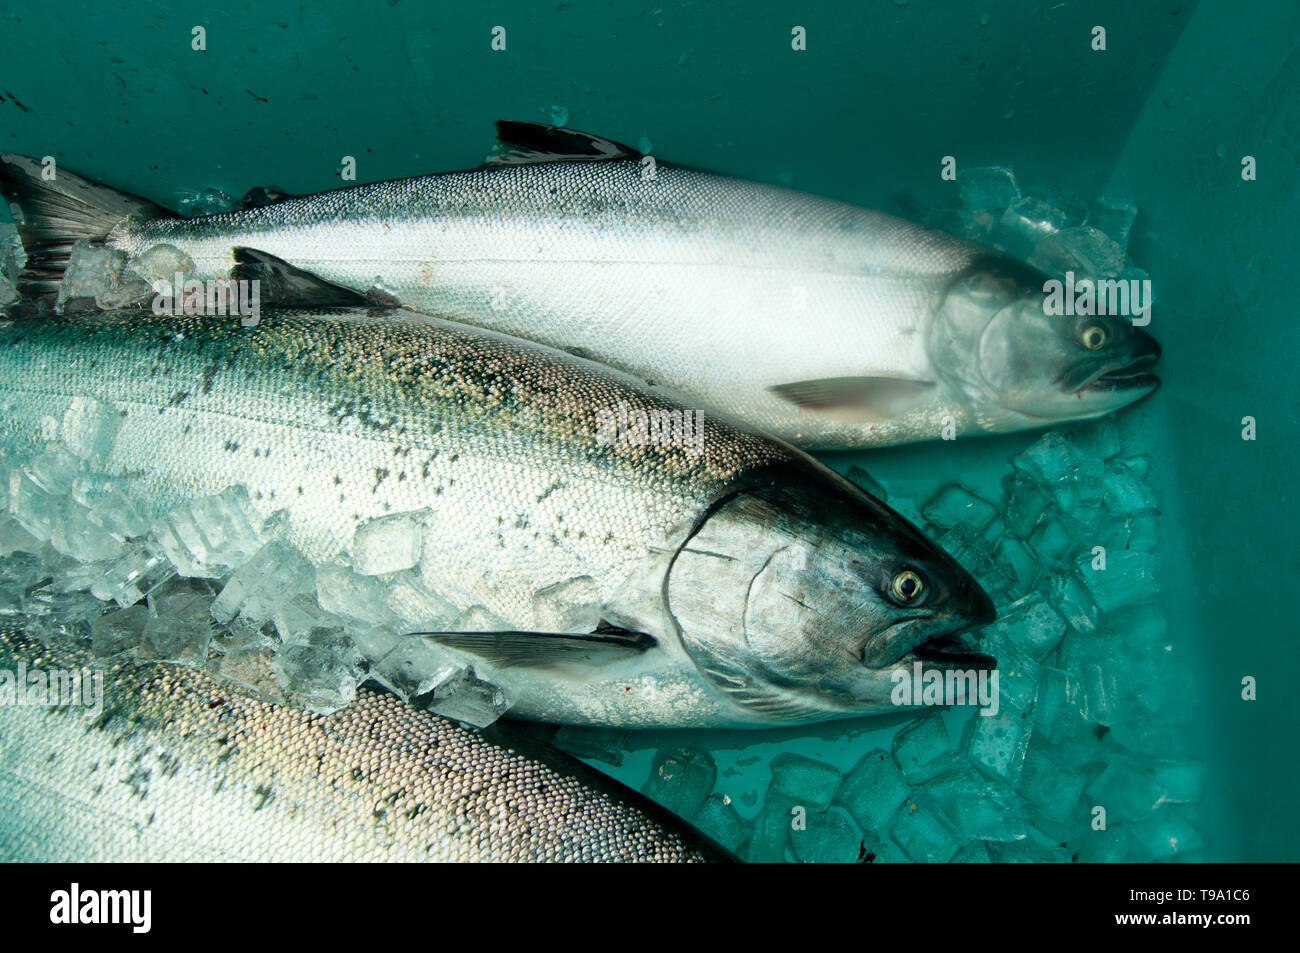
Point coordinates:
[(599, 553), (149, 762), (821, 323)]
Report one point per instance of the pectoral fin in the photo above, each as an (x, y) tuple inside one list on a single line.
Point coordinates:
[(547, 649), (855, 398), (284, 285)]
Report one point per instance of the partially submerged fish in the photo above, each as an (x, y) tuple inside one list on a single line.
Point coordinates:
[(822, 323), (723, 579), (175, 767)]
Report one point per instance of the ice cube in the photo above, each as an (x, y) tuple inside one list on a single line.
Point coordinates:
[(206, 202), (1112, 845), (211, 535), (1114, 216), (34, 509), (1071, 599), (300, 616), (465, 697), (89, 428), (262, 585), (1129, 577), (1124, 493), (989, 187), (110, 507), (872, 790), (826, 838), (808, 783), (1082, 249), (1053, 787), (388, 543), (573, 605), (924, 831), (719, 818), (1025, 223), (14, 538), (771, 832), (412, 668), (1025, 503), (182, 639), (681, 778), (159, 265), (981, 809), (954, 505), (374, 642), (1057, 539), (416, 607), (922, 749), (1128, 788), (1166, 834), (1049, 459), (94, 276), (996, 744), (348, 594), (315, 677), (1019, 558), (596, 744), (75, 535), (1030, 624), (119, 631), (1055, 717), (128, 580), (251, 668)]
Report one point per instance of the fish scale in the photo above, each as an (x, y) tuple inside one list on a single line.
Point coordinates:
[(179, 768)]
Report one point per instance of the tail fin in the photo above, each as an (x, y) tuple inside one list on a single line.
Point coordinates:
[(53, 213)]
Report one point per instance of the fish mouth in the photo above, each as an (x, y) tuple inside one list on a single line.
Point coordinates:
[(956, 650), (949, 638), (1131, 374)]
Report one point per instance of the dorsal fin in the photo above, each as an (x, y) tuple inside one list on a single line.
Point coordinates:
[(525, 143)]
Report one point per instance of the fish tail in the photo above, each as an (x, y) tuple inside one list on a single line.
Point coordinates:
[(54, 209)]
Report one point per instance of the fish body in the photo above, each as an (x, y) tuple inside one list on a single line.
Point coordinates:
[(822, 323), (724, 580), (176, 767)]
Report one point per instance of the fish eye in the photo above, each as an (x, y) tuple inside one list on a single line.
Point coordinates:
[(1093, 337), (907, 586)]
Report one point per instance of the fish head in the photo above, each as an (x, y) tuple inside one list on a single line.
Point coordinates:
[(1000, 340), (801, 598)]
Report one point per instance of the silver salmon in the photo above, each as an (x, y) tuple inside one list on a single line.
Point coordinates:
[(163, 764), (626, 561), (824, 324)]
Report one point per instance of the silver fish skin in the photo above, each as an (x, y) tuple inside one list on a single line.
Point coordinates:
[(824, 324), (746, 584), (179, 768)]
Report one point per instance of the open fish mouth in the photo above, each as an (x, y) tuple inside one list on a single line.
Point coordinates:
[(1127, 372), (948, 647), (956, 650)]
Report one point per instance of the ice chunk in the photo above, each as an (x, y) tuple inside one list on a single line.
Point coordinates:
[(95, 275), (719, 818), (183, 639), (412, 668), (128, 580), (462, 695), (1025, 223), (353, 596), (89, 428), (373, 642), (1082, 249), (417, 607), (808, 783), (872, 790), (160, 264), (922, 749), (1070, 597), (1166, 834), (1030, 624), (826, 838), (76, 535), (981, 809), (300, 616), (1128, 788), (252, 669), (573, 605), (1124, 493), (597, 744), (1112, 845), (1020, 560), (479, 619), (1025, 503), (989, 187), (1055, 717), (119, 631), (924, 831), (1053, 787), (110, 507), (315, 677), (681, 778), (771, 834), (1129, 577), (262, 585), (14, 538), (206, 202), (54, 470), (211, 535), (955, 505), (1114, 217), (996, 744), (388, 543), (1049, 458)]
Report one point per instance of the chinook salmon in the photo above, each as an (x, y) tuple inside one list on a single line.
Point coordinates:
[(824, 324), (160, 763), (638, 565)]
